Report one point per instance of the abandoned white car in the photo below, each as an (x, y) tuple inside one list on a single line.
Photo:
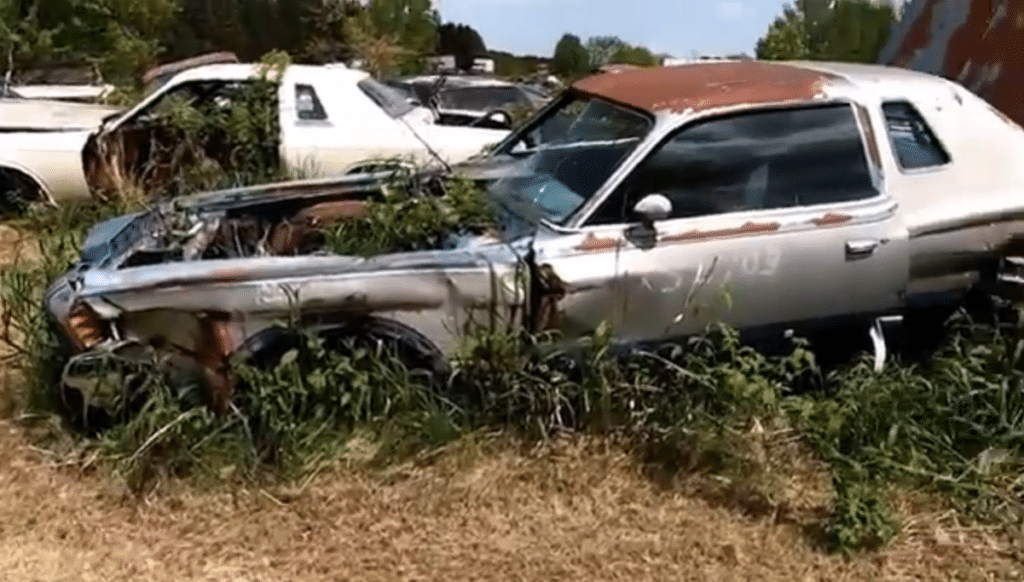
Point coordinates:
[(332, 120), (778, 198)]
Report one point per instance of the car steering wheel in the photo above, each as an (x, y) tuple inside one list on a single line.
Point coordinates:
[(490, 112)]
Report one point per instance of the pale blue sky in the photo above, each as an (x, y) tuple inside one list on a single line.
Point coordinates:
[(672, 26)]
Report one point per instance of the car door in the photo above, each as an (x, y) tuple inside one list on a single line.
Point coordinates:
[(778, 220)]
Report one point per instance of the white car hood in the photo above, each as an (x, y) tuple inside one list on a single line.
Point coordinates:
[(46, 115)]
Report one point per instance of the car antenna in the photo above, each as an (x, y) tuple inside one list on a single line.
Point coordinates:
[(431, 103)]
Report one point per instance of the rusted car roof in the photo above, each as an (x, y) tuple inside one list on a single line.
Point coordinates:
[(973, 42), (708, 85)]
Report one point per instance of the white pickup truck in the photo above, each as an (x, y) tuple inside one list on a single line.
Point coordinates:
[(333, 120)]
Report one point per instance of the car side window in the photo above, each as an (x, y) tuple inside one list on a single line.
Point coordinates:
[(913, 142), (307, 104), (205, 96), (752, 161), (183, 95)]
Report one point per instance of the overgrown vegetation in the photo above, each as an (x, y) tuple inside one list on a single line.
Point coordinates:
[(243, 138), (220, 135), (29, 339), (953, 425), (400, 222)]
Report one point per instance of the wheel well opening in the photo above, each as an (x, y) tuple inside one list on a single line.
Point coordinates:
[(17, 190)]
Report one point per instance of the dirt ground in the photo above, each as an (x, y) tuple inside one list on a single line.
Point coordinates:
[(575, 510)]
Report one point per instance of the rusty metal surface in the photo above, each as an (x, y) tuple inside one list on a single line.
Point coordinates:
[(974, 42), (173, 68), (709, 85)]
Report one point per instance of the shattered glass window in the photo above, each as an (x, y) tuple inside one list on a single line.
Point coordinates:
[(206, 96), (566, 156), (913, 142), (753, 161)]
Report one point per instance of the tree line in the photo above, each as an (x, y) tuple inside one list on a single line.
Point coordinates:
[(829, 30), (572, 58), (122, 38)]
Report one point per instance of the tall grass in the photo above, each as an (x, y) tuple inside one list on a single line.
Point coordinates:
[(955, 424)]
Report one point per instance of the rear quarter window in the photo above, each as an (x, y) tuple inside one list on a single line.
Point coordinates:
[(913, 142)]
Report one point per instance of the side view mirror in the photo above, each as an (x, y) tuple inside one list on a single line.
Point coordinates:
[(652, 208)]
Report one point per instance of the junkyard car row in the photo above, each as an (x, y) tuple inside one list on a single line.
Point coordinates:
[(776, 197), (332, 120)]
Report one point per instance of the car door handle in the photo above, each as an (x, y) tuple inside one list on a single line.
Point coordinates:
[(861, 247)]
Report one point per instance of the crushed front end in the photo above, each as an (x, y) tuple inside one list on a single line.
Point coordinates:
[(189, 285)]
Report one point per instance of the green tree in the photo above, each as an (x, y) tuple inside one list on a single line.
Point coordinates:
[(860, 30), (786, 38), (120, 37), (602, 49), (393, 36), (635, 55), (843, 30), (571, 58)]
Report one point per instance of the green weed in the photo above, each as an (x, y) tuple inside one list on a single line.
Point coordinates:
[(404, 222)]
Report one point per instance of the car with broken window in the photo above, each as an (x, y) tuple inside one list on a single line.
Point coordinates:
[(330, 119), (470, 100), (779, 198)]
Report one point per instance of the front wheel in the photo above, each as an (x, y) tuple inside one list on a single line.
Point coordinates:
[(419, 356)]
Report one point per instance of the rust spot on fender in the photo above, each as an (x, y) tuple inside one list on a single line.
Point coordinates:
[(550, 292), (591, 244), (748, 229), (709, 85), (831, 219)]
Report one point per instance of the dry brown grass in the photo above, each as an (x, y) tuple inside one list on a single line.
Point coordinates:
[(574, 510)]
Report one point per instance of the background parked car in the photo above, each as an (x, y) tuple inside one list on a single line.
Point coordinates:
[(471, 100), (331, 119)]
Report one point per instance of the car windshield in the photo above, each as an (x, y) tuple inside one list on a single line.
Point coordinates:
[(393, 101), (480, 98), (565, 157)]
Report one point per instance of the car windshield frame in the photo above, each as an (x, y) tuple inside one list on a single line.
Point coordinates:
[(390, 99), (556, 195)]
